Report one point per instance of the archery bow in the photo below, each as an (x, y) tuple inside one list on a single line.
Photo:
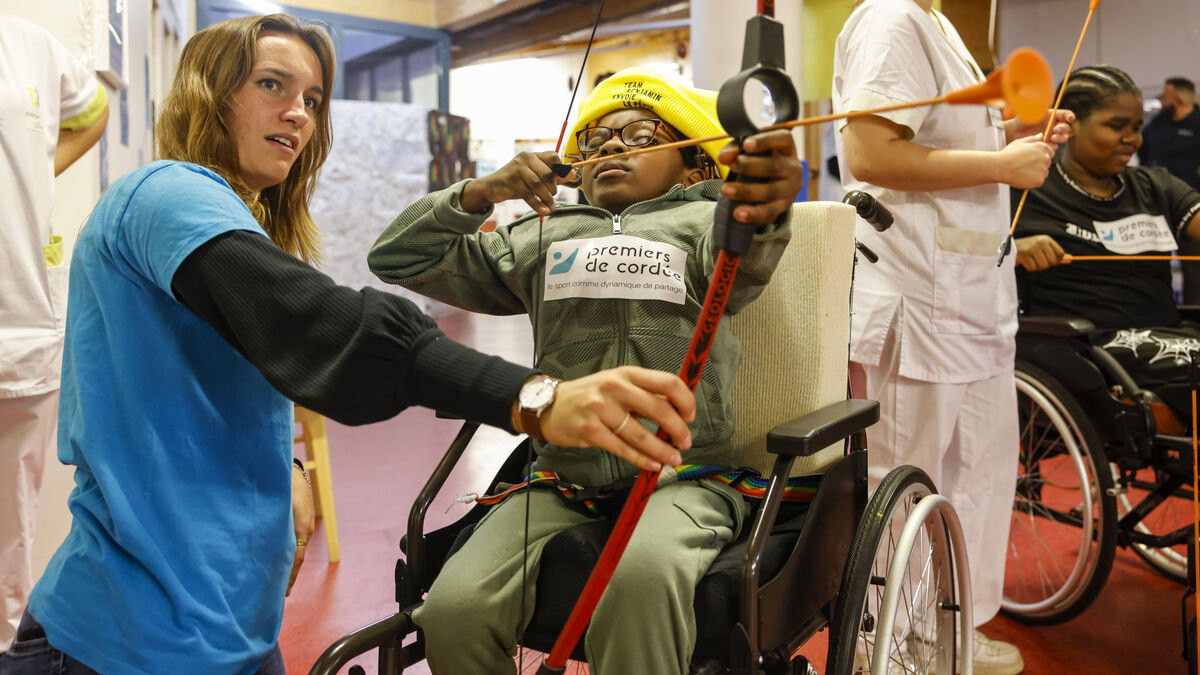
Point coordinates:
[(762, 60)]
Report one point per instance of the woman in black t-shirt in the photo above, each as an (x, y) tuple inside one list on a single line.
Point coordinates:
[(1093, 203)]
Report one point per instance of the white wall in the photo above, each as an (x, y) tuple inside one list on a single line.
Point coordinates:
[(517, 99), (1149, 40), (719, 31), (718, 39)]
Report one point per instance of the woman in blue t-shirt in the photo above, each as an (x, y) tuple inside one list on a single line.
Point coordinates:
[(194, 323), (1094, 203)]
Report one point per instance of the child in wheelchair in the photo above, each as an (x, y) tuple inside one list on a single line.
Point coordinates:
[(618, 281), (1093, 203)]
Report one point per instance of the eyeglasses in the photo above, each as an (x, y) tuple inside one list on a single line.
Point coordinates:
[(634, 134)]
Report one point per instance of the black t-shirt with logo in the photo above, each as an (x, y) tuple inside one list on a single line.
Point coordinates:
[(1144, 216)]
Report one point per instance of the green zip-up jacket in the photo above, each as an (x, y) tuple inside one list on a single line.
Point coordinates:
[(436, 249)]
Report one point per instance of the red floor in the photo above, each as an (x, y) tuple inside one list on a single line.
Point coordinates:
[(1133, 627)]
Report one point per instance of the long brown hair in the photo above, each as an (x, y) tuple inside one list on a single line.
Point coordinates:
[(215, 64)]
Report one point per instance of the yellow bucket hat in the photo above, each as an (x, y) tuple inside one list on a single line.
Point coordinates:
[(692, 111)]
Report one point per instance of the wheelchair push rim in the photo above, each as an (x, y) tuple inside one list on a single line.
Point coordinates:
[(925, 655), (906, 548)]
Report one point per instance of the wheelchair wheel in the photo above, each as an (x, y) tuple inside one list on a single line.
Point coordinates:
[(1175, 512), (925, 576), (1063, 532)]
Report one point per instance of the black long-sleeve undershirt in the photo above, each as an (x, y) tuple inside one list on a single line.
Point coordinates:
[(354, 356)]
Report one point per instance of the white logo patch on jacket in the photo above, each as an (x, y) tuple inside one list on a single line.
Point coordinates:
[(619, 267), (1136, 234)]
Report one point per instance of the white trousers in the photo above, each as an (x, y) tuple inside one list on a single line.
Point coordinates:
[(965, 436), (27, 435)]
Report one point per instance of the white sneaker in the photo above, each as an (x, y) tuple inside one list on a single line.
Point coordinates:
[(993, 657)]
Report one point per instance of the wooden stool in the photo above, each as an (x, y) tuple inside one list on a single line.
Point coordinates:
[(316, 462)]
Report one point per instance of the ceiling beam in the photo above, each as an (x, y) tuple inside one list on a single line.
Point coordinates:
[(538, 24), (455, 15)]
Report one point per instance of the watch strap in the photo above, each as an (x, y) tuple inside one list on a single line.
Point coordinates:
[(531, 424)]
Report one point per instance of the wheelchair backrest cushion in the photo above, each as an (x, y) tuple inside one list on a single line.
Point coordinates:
[(795, 336)]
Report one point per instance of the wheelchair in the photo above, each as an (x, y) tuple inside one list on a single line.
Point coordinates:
[(1103, 464), (888, 578)]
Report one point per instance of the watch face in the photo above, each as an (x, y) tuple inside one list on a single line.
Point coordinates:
[(537, 394)]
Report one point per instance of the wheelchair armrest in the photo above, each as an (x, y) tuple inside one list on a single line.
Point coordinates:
[(1190, 312), (821, 428), (1062, 326), (414, 540)]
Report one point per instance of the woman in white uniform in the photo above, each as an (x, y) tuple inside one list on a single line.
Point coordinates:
[(934, 320), (52, 110)]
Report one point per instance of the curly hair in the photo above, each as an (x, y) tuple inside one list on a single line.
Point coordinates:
[(1093, 88), (191, 125)]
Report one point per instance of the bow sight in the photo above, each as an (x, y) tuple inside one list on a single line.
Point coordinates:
[(763, 64)]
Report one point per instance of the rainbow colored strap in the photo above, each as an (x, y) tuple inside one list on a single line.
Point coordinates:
[(750, 483), (745, 481), (546, 479)]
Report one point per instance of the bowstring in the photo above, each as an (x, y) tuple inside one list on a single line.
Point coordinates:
[(539, 288)]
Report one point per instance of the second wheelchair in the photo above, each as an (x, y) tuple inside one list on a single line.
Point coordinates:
[(1103, 464)]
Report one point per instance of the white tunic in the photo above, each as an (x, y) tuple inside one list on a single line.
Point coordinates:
[(41, 85), (937, 275)]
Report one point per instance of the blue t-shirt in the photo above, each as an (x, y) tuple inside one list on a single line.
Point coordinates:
[(182, 540)]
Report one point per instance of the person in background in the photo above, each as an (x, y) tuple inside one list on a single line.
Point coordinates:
[(1171, 139), (1094, 203), (934, 321), (52, 110), (181, 356)]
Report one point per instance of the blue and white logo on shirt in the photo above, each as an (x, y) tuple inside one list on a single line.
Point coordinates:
[(564, 266), (1140, 233), (619, 267)]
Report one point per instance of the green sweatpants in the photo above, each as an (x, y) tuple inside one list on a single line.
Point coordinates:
[(644, 623)]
